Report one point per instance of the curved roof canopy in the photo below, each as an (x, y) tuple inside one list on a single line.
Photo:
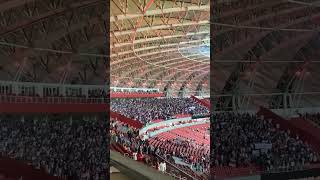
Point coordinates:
[(266, 46), (40, 41), (160, 43), (260, 46)]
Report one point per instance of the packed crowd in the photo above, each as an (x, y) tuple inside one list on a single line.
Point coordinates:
[(148, 109), (243, 139), (128, 137), (63, 147), (198, 162), (134, 144)]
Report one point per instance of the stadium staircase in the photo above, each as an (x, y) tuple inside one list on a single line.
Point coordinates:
[(203, 102), (306, 131)]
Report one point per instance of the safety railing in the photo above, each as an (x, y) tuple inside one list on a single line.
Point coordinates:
[(50, 100), (179, 177), (189, 176), (294, 168), (170, 173)]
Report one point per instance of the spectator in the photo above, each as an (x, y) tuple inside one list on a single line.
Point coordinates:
[(148, 109), (129, 137), (62, 147), (237, 135)]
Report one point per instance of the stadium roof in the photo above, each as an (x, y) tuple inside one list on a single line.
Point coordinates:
[(40, 41), (261, 46), (266, 46), (160, 43)]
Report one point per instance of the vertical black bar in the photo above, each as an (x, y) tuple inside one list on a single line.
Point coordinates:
[(213, 18), (211, 88), (107, 83)]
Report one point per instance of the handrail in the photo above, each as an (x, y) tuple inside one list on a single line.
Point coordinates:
[(170, 174), (175, 176), (265, 94), (135, 89), (176, 167), (103, 86), (51, 100)]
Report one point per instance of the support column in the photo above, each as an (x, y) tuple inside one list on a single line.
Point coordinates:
[(285, 103), (234, 103)]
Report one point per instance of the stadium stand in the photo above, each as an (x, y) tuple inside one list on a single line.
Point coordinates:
[(153, 151), (53, 131), (167, 53), (236, 144), (35, 140), (149, 109), (53, 90), (265, 64)]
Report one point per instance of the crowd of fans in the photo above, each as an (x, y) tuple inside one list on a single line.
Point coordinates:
[(199, 162), (148, 109), (63, 147), (128, 137), (237, 137)]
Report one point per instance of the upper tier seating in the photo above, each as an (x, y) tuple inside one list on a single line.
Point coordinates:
[(149, 109)]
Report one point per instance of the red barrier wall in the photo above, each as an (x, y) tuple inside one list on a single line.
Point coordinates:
[(309, 130), (15, 169), (25, 104), (52, 108), (126, 120), (286, 125), (222, 173), (202, 102)]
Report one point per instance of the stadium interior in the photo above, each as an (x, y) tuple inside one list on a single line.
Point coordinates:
[(265, 71), (159, 58), (159, 89), (53, 90)]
